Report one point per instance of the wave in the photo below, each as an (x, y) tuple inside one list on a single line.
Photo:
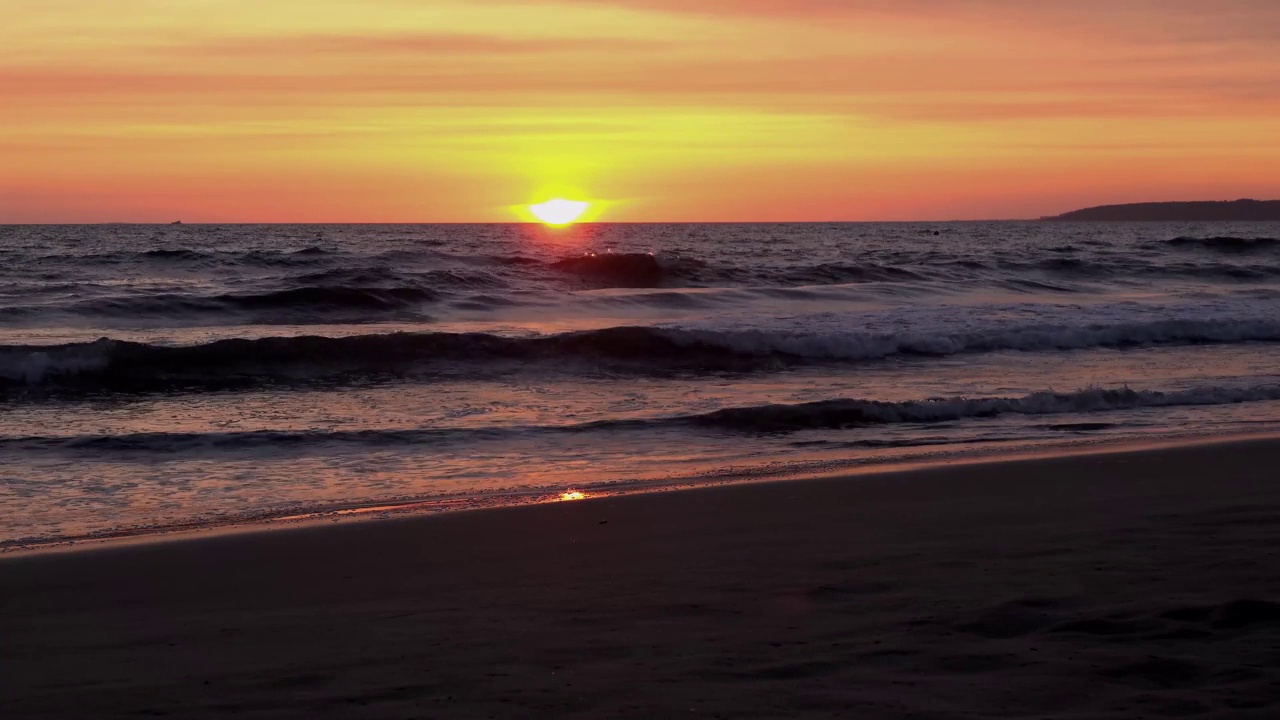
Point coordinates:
[(646, 270), (114, 365), (1226, 243), (624, 270), (288, 305), (1102, 269), (358, 276), (444, 273), (275, 440), (874, 346), (354, 294), (512, 260), (343, 298), (642, 270), (379, 276), (839, 414), (843, 273), (129, 366), (178, 255)]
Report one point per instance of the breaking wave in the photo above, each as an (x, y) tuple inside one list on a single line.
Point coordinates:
[(633, 270), (114, 365)]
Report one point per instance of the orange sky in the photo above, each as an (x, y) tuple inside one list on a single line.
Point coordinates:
[(454, 110)]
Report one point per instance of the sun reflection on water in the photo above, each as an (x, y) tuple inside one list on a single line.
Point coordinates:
[(572, 495)]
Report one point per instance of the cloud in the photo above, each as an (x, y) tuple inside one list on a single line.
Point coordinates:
[(828, 93), (425, 44)]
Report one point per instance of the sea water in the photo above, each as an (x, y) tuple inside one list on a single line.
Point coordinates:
[(156, 377)]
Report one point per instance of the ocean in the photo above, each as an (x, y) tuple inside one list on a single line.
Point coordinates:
[(183, 376)]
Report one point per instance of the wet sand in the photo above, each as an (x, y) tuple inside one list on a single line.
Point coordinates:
[(1124, 585)]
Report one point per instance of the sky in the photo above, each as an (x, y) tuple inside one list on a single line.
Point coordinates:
[(656, 110)]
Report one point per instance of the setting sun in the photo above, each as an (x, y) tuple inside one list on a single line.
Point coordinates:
[(559, 211)]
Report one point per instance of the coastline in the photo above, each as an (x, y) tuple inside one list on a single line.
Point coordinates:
[(1112, 584), (913, 459)]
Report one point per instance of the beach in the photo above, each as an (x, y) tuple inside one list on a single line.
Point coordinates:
[(1123, 584)]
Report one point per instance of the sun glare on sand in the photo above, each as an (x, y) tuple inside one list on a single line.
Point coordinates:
[(559, 211)]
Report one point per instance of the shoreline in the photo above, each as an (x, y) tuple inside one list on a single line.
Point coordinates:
[(429, 507), (1100, 585)]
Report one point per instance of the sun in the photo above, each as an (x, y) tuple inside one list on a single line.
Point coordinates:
[(559, 211)]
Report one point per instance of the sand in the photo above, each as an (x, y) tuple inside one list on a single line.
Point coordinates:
[(1122, 585)]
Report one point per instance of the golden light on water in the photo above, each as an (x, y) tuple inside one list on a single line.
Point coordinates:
[(572, 495), (559, 212)]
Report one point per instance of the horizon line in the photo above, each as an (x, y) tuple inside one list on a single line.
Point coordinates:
[(507, 222), (1042, 218)]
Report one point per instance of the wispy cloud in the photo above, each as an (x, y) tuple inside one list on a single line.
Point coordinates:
[(398, 44), (640, 92)]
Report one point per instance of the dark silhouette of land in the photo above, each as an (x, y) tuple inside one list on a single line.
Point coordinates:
[(1200, 211)]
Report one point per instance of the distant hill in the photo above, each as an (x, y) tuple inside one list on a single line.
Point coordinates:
[(1205, 211)]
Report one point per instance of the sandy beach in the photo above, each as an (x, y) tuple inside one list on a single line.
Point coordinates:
[(1125, 585)]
